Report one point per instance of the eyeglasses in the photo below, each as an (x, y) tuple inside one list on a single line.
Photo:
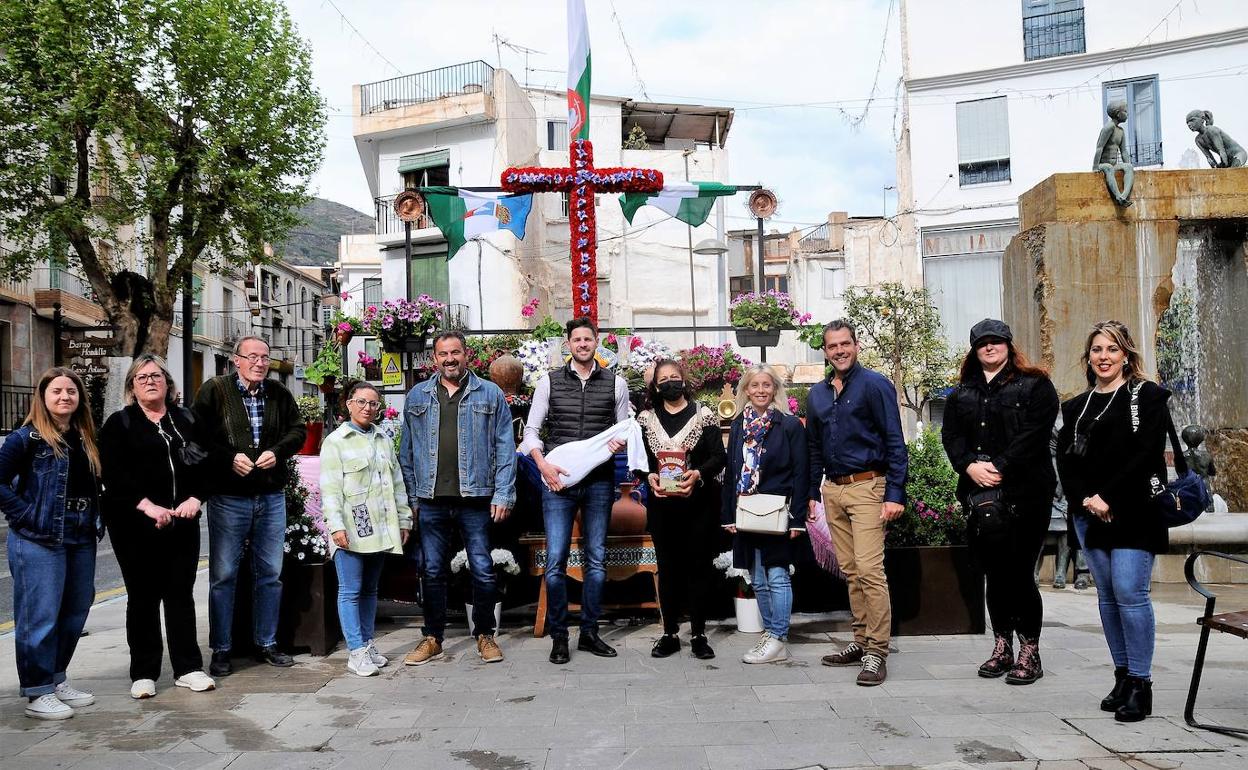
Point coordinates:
[(363, 404), (256, 358), (146, 378)]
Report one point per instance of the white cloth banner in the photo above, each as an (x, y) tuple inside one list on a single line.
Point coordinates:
[(578, 458)]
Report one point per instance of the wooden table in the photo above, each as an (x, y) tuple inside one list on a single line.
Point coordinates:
[(626, 556)]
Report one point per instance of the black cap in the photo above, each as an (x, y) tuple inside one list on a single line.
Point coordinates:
[(990, 327)]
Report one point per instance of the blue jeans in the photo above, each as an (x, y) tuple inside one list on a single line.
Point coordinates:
[(233, 522), (358, 577), (1123, 580), (594, 498), (436, 519), (775, 596), (53, 587)]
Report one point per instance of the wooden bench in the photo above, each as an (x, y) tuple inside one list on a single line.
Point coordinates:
[(1233, 623)]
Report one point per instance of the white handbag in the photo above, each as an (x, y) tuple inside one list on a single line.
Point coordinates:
[(765, 514)]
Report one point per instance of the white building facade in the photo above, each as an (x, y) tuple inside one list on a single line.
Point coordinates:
[(463, 125), (1026, 99)]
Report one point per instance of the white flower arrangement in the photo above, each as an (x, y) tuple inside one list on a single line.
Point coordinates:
[(535, 360), (646, 354), (503, 560)]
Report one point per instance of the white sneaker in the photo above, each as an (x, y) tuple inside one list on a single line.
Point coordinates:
[(751, 655), (377, 658), (48, 707), (142, 688), (359, 663), (774, 650), (71, 697), (196, 681)]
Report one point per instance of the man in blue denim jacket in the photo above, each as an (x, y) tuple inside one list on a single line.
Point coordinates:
[(458, 457)]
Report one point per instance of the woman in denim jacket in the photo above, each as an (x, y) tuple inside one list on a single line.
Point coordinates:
[(50, 495), (367, 516)]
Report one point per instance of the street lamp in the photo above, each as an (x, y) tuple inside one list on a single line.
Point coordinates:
[(717, 248)]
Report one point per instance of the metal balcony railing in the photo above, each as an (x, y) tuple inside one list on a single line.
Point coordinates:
[(14, 405), (63, 279), (388, 223), (406, 90), (816, 240), (1053, 34), (1146, 154), (984, 172)]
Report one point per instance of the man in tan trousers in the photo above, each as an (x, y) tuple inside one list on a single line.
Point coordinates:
[(858, 466)]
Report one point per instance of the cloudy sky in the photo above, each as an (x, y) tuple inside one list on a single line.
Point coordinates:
[(798, 73)]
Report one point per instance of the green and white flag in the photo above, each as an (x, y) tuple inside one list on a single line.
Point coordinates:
[(578, 71), (690, 202), (462, 215)]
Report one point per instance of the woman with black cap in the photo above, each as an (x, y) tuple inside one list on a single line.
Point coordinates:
[(996, 433)]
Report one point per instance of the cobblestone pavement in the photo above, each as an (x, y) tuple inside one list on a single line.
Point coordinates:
[(637, 712)]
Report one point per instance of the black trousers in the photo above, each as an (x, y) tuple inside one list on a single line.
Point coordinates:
[(684, 547), (1014, 604), (158, 567)]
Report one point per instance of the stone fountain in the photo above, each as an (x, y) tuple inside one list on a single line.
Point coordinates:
[(1173, 267)]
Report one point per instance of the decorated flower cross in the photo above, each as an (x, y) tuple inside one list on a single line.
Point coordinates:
[(581, 182)]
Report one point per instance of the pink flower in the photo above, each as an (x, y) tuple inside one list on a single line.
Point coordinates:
[(345, 295), (391, 413), (792, 405), (530, 307), (344, 326)]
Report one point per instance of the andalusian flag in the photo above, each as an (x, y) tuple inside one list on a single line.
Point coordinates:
[(578, 71), (690, 202), (461, 215)]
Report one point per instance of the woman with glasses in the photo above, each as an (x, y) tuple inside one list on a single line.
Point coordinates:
[(685, 455), (153, 486), (49, 494), (367, 516), (1110, 453)]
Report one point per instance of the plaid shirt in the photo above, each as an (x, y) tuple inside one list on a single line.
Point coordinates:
[(253, 402)]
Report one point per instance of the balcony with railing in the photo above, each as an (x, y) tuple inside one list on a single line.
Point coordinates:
[(816, 240), (67, 288), (214, 328), (388, 223), (468, 79), (1053, 34), (14, 405)]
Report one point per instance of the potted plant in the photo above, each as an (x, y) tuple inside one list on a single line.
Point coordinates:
[(370, 367), (309, 610), (403, 325), (712, 367), (759, 317), (934, 585), (324, 370), (749, 618), (312, 413), (343, 327), (504, 565)]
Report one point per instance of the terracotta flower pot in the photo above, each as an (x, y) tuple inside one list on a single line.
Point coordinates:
[(327, 384), (312, 444), (506, 372), (628, 515), (341, 338)]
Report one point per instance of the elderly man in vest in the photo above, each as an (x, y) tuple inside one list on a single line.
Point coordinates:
[(574, 402)]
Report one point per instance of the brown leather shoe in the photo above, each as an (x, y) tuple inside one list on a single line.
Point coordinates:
[(428, 649), (850, 656), (488, 649), (874, 671)]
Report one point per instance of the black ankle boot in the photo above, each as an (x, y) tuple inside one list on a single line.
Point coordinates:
[(1137, 701), (1115, 698)]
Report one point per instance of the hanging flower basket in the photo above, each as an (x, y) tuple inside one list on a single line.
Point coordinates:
[(754, 338), (327, 384), (341, 337), (403, 326)]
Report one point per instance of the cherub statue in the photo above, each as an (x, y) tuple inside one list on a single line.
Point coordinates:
[(1199, 460), (1111, 154), (1219, 148)]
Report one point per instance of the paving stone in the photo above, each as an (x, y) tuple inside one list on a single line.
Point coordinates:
[(636, 758), (1149, 735), (698, 734), (1060, 746), (753, 757), (590, 736), (623, 715), (312, 760), (401, 739), (925, 752)]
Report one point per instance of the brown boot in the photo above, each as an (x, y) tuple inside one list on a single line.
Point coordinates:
[(428, 649), (874, 671), (1002, 659), (851, 655), (1027, 668), (488, 649)]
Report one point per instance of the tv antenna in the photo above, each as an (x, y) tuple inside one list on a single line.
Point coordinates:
[(524, 51)]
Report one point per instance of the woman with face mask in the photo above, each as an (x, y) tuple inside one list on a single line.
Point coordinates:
[(685, 455)]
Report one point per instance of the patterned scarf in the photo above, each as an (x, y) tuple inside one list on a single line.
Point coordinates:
[(755, 427)]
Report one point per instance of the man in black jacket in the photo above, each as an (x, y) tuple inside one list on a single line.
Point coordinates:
[(251, 427), (574, 402)]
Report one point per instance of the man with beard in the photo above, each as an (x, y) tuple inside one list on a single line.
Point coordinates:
[(858, 465), (576, 401), (459, 465)]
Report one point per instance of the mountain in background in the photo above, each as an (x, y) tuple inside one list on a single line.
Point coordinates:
[(315, 242)]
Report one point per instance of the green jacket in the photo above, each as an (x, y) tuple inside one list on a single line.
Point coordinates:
[(226, 431), (362, 491)]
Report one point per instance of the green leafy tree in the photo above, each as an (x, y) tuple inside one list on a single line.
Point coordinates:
[(182, 130), (901, 336)]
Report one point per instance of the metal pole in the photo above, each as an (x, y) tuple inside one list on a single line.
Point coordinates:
[(57, 358), (407, 254), (693, 300), (758, 281), (188, 339)]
